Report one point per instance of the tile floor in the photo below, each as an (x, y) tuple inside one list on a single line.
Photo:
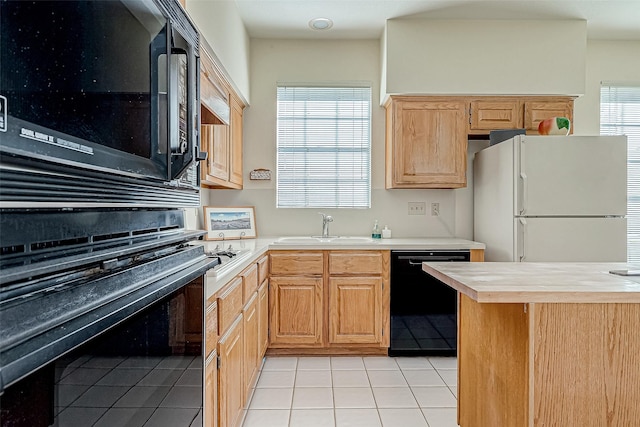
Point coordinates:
[(354, 391), (132, 392)]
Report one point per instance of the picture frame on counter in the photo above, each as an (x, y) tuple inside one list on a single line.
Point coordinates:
[(230, 222)]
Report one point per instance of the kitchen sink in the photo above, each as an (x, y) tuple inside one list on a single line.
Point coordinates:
[(314, 240)]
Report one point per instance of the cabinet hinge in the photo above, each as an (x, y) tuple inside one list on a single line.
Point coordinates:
[(218, 362), (469, 114), (525, 307)]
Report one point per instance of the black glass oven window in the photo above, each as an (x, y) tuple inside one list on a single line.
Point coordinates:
[(82, 68)]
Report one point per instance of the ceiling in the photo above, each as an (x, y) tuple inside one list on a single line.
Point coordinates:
[(365, 19)]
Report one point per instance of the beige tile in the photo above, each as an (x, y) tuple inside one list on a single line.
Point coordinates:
[(314, 363), (444, 362), (454, 390), (450, 376), (312, 418), (441, 417), (347, 363), (410, 363), (313, 378), (386, 379), (350, 379), (434, 397), (394, 397), (271, 398), (423, 378), (380, 363), (312, 398), (276, 379), (266, 418), (356, 397), (280, 364), (357, 418), (402, 418)]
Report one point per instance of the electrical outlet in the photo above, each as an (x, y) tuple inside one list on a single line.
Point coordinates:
[(417, 208), (435, 209)]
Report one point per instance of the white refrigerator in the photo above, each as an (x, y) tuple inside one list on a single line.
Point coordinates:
[(552, 198)]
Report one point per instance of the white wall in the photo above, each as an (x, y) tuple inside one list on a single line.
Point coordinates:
[(322, 61), (485, 57), (617, 61), (220, 24), (315, 61)]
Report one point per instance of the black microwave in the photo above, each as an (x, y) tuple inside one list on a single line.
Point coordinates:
[(98, 104)]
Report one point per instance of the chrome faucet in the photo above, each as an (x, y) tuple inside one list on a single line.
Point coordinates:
[(326, 219)]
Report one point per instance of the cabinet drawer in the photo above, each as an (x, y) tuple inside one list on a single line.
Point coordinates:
[(301, 263), (263, 269), (355, 263), (488, 115), (229, 304), (249, 281), (211, 327)]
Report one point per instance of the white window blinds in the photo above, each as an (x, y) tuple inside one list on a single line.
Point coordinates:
[(620, 115), (324, 147)]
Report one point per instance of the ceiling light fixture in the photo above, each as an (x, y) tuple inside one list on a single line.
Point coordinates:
[(320, 23)]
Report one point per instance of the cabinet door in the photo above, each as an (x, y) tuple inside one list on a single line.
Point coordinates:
[(211, 328), (428, 147), (231, 390), (488, 115), (263, 319), (295, 306), (235, 172), (355, 310), (537, 111), (249, 281), (211, 391), (250, 315)]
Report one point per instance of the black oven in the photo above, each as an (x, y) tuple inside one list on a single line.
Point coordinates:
[(101, 319), (103, 95)]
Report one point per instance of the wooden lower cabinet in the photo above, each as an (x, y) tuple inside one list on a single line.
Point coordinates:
[(250, 315), (211, 391), (355, 310), (329, 302), (296, 311), (263, 318), (231, 386)]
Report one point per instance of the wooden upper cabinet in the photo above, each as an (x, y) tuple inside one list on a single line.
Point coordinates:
[(489, 114), (426, 143), (538, 110), (235, 161), (221, 112)]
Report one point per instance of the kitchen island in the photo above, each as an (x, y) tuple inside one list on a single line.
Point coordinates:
[(546, 344)]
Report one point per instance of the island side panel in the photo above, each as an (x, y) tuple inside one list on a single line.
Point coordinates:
[(493, 354), (586, 369)]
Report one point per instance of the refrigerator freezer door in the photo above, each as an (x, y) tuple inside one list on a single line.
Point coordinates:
[(571, 176), (571, 239)]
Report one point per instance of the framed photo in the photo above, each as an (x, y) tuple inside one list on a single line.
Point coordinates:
[(224, 223)]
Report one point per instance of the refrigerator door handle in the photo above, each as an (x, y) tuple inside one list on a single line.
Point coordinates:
[(523, 233), (525, 186), (523, 178)]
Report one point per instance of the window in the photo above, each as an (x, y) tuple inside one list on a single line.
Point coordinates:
[(324, 147), (620, 115)]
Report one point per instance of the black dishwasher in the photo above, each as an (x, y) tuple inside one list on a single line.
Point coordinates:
[(423, 309)]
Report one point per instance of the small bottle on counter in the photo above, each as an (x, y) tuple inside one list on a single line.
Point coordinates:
[(375, 233), (386, 233)]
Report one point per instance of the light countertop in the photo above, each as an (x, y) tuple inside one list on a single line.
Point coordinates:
[(508, 282), (256, 248)]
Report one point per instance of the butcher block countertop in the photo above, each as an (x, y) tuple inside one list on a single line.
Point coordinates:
[(509, 282)]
